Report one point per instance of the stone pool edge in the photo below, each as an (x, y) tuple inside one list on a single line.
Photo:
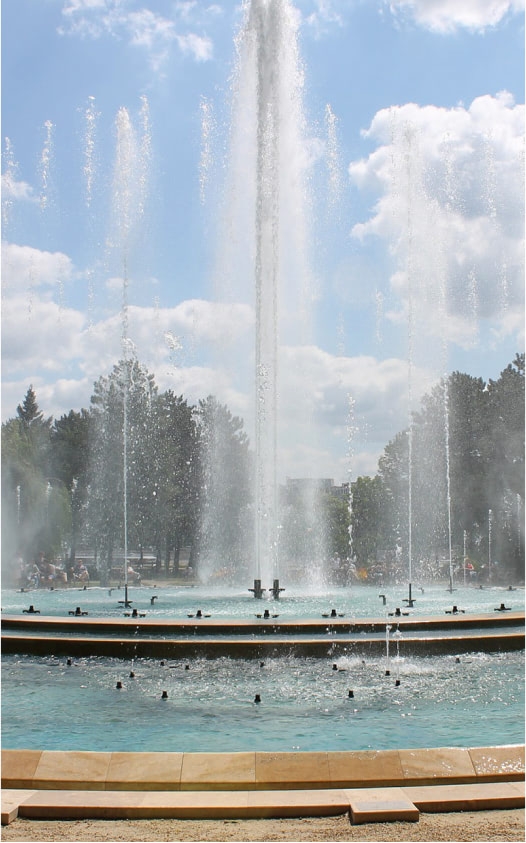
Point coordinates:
[(372, 785)]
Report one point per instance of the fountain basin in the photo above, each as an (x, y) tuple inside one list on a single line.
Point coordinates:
[(50, 704)]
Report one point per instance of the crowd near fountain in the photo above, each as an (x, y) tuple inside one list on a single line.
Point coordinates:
[(389, 698)]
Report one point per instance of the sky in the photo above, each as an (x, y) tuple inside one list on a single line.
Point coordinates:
[(410, 146)]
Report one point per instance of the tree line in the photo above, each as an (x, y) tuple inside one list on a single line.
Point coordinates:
[(148, 468), (459, 469)]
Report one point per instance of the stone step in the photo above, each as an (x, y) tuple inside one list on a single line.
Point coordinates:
[(362, 804), (387, 804), (467, 797)]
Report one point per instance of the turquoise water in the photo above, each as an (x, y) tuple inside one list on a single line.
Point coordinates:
[(305, 704), (229, 603)]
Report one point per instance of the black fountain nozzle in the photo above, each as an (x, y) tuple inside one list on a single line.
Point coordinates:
[(503, 608), (258, 591), (119, 686), (410, 600), (275, 590), (455, 611), (164, 695), (127, 603), (77, 612), (384, 598), (153, 599), (351, 695), (31, 610), (257, 698), (397, 683)]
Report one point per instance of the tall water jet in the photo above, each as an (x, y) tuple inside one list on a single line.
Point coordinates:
[(264, 226), (265, 21), (128, 206)]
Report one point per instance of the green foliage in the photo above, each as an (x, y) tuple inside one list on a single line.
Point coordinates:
[(467, 459), (189, 476)]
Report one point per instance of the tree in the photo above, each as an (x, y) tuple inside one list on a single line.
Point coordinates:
[(226, 524), (506, 466), (118, 473), (70, 437), (175, 469), (367, 520), (27, 525)]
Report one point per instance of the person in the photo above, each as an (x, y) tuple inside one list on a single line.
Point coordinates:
[(33, 575), (80, 572), (60, 574), (48, 571), (133, 576)]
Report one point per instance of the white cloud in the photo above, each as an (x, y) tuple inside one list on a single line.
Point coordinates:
[(449, 188), (26, 267), (315, 393), (447, 16), (39, 336), (55, 349), (147, 29), (142, 27), (324, 16), (201, 48), (17, 190)]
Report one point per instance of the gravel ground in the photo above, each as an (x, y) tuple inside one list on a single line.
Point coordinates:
[(480, 826)]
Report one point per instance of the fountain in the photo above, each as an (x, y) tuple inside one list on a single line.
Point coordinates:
[(298, 698), (267, 199)]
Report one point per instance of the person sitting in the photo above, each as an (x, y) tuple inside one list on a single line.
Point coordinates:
[(48, 572), (60, 575), (33, 575), (80, 572), (133, 576)]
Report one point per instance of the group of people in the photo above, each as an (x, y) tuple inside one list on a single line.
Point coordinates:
[(43, 573)]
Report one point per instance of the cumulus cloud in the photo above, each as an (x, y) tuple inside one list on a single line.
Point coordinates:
[(38, 335), (16, 189), (44, 338), (316, 392), (142, 27), (449, 205), (447, 16), (55, 348), (324, 16), (27, 267)]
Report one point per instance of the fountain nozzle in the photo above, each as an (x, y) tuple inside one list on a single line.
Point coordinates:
[(275, 590), (258, 591)]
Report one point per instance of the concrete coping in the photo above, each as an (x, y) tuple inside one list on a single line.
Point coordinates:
[(257, 771)]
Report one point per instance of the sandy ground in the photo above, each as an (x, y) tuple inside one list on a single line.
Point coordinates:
[(480, 826)]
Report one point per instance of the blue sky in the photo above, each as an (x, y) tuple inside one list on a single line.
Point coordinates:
[(415, 220)]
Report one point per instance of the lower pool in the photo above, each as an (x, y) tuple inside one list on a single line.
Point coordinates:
[(306, 704)]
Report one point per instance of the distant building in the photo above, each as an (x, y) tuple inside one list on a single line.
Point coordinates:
[(302, 485)]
